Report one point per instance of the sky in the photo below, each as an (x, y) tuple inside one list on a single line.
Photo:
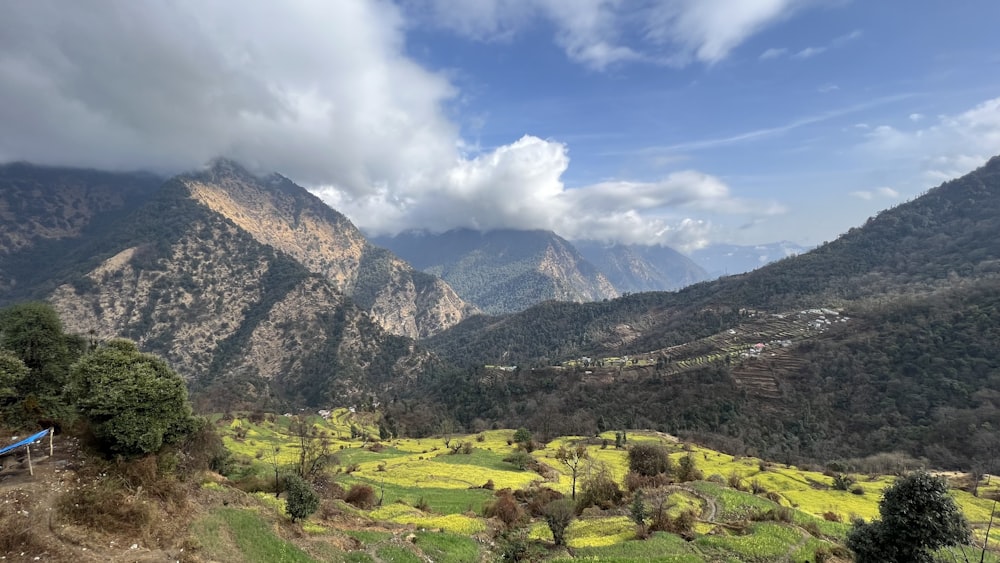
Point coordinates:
[(676, 122)]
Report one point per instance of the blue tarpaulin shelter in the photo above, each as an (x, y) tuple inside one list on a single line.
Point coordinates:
[(29, 440)]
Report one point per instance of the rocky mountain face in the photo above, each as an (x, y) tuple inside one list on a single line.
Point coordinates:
[(504, 271), (632, 267), (276, 212), (213, 271)]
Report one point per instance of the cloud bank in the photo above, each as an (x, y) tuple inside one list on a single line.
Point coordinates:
[(325, 93)]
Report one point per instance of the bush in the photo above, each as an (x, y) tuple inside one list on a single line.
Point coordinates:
[(302, 499), (521, 436), (687, 470), (649, 460), (536, 499), (600, 490), (520, 459), (634, 481), (505, 509), (559, 514), (843, 482), (361, 496)]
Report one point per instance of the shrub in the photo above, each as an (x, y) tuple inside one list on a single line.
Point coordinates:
[(601, 490), (735, 481), (843, 482), (361, 496), (831, 516), (505, 509), (857, 490), (536, 499), (521, 435), (467, 448), (649, 460), (520, 459), (687, 470), (634, 481), (302, 499), (558, 515)]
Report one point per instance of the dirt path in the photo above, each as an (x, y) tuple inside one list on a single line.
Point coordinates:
[(30, 527)]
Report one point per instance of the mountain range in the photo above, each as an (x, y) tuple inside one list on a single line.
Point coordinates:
[(261, 295)]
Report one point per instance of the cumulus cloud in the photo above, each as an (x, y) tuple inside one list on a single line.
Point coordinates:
[(519, 186), (599, 33), (325, 93), (948, 148)]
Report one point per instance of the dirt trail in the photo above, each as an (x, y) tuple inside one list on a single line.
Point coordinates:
[(30, 527)]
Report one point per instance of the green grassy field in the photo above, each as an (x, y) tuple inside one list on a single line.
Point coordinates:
[(433, 499)]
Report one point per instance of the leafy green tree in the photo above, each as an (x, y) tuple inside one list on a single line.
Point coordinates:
[(302, 498), (133, 401), (12, 372), (917, 517), (33, 332), (649, 460), (559, 514), (638, 509), (521, 436)]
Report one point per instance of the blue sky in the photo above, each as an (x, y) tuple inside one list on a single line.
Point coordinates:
[(680, 122)]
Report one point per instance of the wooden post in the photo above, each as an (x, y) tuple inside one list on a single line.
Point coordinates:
[(51, 432), (30, 470)]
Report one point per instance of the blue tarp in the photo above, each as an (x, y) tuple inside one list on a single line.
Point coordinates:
[(25, 441)]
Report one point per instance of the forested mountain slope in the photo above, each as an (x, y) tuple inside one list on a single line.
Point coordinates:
[(46, 213), (633, 267), (504, 270), (916, 367)]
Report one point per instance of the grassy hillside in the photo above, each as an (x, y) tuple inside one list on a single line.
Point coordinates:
[(433, 500)]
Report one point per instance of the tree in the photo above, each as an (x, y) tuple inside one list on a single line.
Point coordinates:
[(649, 460), (573, 459), (559, 514), (521, 436), (917, 517), (33, 332), (302, 499), (314, 446), (12, 372), (133, 401), (638, 509)]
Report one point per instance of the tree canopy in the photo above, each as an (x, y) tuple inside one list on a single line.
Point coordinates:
[(133, 401), (917, 517)]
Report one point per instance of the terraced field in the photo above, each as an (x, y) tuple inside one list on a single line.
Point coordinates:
[(433, 498), (762, 346)]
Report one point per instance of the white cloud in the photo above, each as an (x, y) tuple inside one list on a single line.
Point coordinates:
[(948, 148), (773, 53), (810, 52), (519, 186), (916, 117), (324, 93), (599, 33), (883, 192)]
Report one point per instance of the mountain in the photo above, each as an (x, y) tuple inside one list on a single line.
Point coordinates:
[(503, 270), (632, 267), (46, 213), (211, 271), (276, 212), (881, 340), (728, 259)]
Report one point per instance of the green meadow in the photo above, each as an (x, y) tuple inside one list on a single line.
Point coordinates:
[(431, 496)]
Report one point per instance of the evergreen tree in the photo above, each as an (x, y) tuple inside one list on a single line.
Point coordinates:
[(302, 499), (917, 517), (133, 401)]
